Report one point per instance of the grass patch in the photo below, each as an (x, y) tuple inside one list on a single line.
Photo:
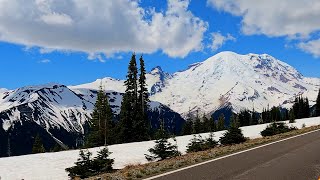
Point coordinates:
[(154, 168)]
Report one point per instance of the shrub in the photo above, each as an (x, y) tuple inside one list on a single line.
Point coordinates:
[(232, 136), (276, 128), (86, 166), (199, 144), (162, 150)]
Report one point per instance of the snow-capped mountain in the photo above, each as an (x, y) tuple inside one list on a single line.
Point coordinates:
[(156, 79), (50, 105), (242, 81)]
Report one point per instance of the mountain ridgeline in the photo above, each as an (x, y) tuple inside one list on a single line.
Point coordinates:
[(225, 83)]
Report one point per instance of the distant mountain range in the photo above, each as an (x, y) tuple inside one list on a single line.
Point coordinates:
[(61, 113)]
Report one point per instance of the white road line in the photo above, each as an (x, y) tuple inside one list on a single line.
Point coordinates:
[(223, 157)]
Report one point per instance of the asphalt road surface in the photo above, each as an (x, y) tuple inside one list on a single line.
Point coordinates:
[(294, 159)]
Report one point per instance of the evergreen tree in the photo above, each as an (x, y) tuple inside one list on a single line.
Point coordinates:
[(301, 107), (221, 122), (317, 110), (306, 108), (254, 118), (142, 126), (102, 163), (206, 124), (234, 121), (245, 117), (129, 105), (38, 146), (83, 167), (187, 127), (213, 124), (163, 149), (197, 127), (100, 132), (232, 136), (291, 116)]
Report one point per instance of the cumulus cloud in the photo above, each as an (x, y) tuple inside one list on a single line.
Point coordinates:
[(286, 18), (106, 27), (218, 40), (312, 47)]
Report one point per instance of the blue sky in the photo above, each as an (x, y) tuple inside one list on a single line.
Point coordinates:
[(64, 44)]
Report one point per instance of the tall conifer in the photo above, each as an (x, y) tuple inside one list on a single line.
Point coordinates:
[(317, 111), (129, 104)]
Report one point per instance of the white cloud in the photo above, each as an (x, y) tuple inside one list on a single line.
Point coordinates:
[(218, 40), (293, 19), (100, 26), (274, 17), (312, 47), (45, 61)]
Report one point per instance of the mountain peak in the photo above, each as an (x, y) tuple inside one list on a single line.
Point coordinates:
[(156, 70)]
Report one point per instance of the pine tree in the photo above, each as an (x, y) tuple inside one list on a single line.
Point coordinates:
[(197, 126), (102, 163), (206, 124), (213, 124), (317, 110), (221, 122), (232, 136), (234, 121), (83, 167), (100, 132), (142, 126), (187, 127), (129, 105), (291, 116), (38, 146), (163, 149), (254, 118), (306, 108)]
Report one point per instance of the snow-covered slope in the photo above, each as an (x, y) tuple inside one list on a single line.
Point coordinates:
[(52, 165), (3, 90), (156, 79), (244, 81), (106, 83), (50, 105)]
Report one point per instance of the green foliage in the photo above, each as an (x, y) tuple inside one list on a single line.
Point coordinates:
[(187, 127), (102, 127), (142, 125), (276, 128), (197, 126), (86, 166), (199, 144), (232, 136), (134, 124), (301, 108), (234, 121), (38, 146), (245, 117), (102, 163), (83, 167), (221, 122), (317, 110), (163, 149), (57, 148), (291, 116)]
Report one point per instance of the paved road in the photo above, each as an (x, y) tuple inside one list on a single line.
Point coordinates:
[(293, 159)]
